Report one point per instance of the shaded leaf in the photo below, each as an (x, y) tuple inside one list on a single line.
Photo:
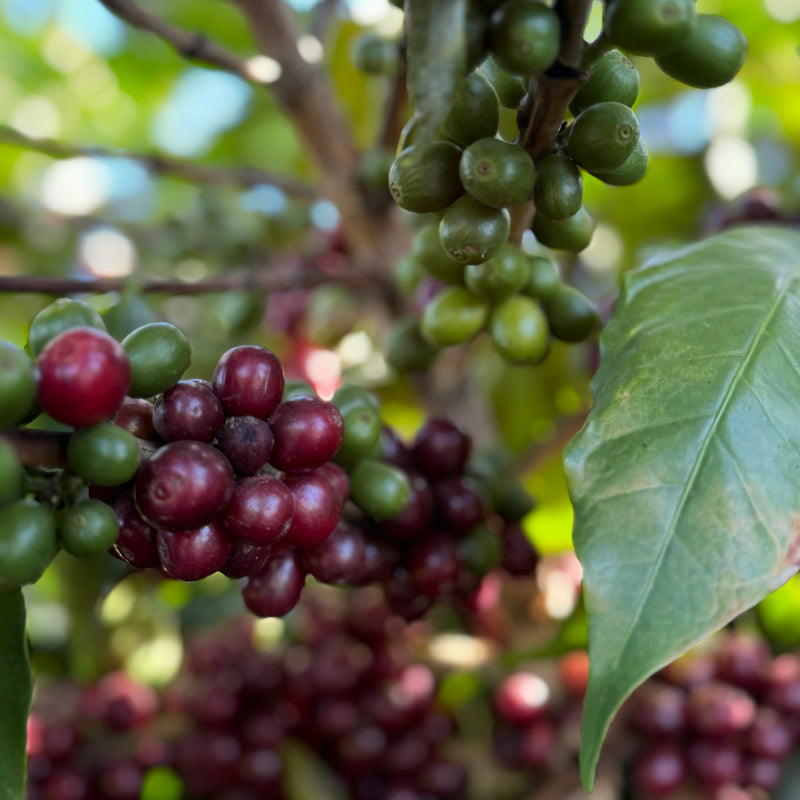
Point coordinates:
[(306, 775), (686, 477), (15, 694), (437, 59)]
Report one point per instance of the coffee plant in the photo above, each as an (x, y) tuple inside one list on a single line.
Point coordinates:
[(397, 400)]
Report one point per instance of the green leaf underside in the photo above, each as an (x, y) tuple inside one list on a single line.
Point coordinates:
[(15, 695), (437, 58), (685, 479)]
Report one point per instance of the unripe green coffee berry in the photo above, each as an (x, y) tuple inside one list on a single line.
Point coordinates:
[(602, 136), (425, 178), (525, 36), (428, 250), (647, 27), (711, 54), (58, 316), (455, 315), (481, 550), (17, 385), (128, 314), (543, 278), (27, 542), (572, 234), (159, 354), (297, 388), (475, 113), (502, 275), (351, 395), (379, 489), (519, 330), (631, 170), (377, 56), (373, 169), (407, 349), (510, 88), (408, 272), (362, 429), (497, 173), (558, 192), (104, 454), (472, 232), (12, 475), (88, 528), (571, 314), (613, 78)]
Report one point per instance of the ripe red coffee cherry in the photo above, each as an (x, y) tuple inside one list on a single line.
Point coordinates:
[(275, 590), (260, 510), (192, 555), (183, 486), (249, 381), (247, 443), (83, 376), (522, 698), (317, 507), (307, 431), (188, 410), (440, 448), (136, 541)]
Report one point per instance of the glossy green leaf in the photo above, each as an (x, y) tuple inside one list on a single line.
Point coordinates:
[(437, 58), (15, 694), (686, 477)]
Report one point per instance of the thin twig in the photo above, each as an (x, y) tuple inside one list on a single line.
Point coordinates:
[(394, 116), (161, 165)]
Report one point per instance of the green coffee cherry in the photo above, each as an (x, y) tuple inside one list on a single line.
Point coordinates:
[(572, 234), (647, 27), (455, 315), (571, 314), (88, 528), (351, 395), (472, 232), (428, 250), (631, 170), (481, 550), (519, 330), (12, 475), (377, 56), (27, 542), (379, 489), (497, 173), (558, 192), (159, 354), (525, 36), (17, 385), (408, 272), (58, 316), (602, 136), (510, 88), (475, 113), (104, 454), (514, 502), (362, 429), (297, 388), (710, 55), (126, 315), (543, 278), (502, 275), (373, 170), (425, 178), (613, 78), (407, 349)]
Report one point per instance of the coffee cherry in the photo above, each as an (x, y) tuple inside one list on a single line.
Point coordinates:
[(340, 559), (425, 177), (502, 275), (136, 542), (648, 27), (317, 508), (362, 429), (381, 490), (27, 542), (440, 449), (183, 486), (660, 710), (558, 192), (416, 516), (460, 503), (603, 136), (710, 54), (87, 528), (260, 510), (12, 475), (474, 114), (407, 349), (247, 443), (717, 710), (195, 554), (455, 315), (17, 385), (520, 331), (377, 56), (543, 278), (525, 36), (631, 170), (83, 376), (660, 770), (275, 590), (481, 550), (434, 563), (248, 381), (130, 312), (497, 173), (614, 77), (105, 454), (571, 315), (351, 395), (245, 560), (522, 698), (573, 233), (135, 415), (297, 388), (510, 88), (57, 317), (519, 555), (428, 250), (472, 232), (159, 354), (188, 410), (307, 431)]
